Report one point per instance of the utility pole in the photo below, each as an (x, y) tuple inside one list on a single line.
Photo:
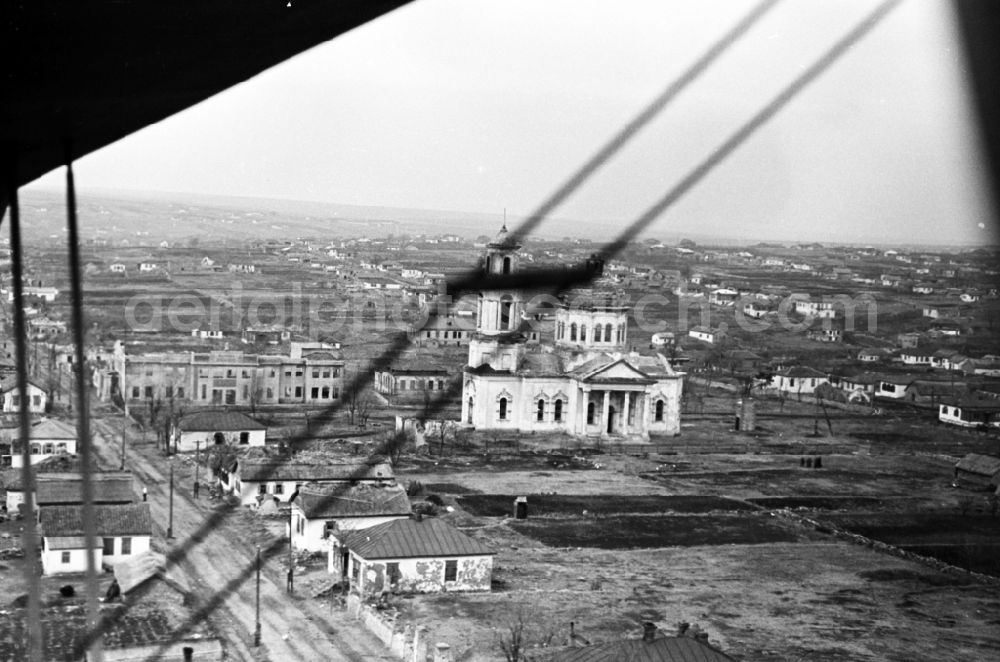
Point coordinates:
[(124, 427), (197, 462), (170, 521), (291, 558), (256, 632)]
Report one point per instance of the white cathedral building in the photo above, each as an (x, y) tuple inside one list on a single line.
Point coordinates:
[(584, 382)]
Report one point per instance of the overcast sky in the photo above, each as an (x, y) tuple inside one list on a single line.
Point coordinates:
[(480, 105)]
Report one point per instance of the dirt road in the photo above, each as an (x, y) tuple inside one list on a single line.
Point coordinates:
[(287, 631)]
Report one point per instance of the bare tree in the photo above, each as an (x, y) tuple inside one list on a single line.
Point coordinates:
[(520, 633)]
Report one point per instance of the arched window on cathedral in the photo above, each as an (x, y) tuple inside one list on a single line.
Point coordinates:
[(658, 415), (572, 332), (506, 265), (590, 413), (505, 305), (621, 333), (597, 333), (557, 411), (541, 411), (503, 409), (607, 332), (489, 263), (583, 332), (468, 418)]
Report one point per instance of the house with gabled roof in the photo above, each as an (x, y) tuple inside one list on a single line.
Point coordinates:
[(66, 489), (253, 479), (973, 410), (411, 555), (318, 511), (49, 437), (801, 380), (209, 428), (978, 471), (120, 531), (10, 396)]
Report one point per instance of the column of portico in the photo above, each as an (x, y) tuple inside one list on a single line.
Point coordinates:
[(581, 411), (605, 413), (625, 427)]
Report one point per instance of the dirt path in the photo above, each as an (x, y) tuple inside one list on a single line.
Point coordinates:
[(287, 632)]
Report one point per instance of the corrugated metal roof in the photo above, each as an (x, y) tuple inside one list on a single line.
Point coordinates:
[(71, 542), (107, 489), (52, 429), (215, 421), (363, 500), (411, 538), (117, 520), (666, 649), (250, 470)]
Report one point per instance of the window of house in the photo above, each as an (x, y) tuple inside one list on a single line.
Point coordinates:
[(126, 546), (230, 396), (590, 413), (326, 392), (503, 409), (316, 373), (326, 374), (607, 332), (270, 393), (169, 391), (583, 332), (355, 571), (791, 381), (36, 449), (48, 448), (230, 373), (557, 411), (541, 410), (288, 373), (204, 392), (36, 400), (149, 392), (108, 546), (246, 392), (180, 391), (315, 393), (244, 437), (262, 489), (451, 570), (572, 331), (135, 391), (298, 372), (392, 574), (64, 558), (597, 333), (279, 488), (298, 391)]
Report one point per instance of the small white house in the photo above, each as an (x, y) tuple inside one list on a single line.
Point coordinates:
[(209, 428), (970, 411), (146, 267), (10, 396), (117, 268), (253, 480), (706, 334), (411, 555), (319, 511), (121, 532), (799, 380), (48, 438)]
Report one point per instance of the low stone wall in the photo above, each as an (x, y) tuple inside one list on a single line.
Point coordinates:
[(406, 642)]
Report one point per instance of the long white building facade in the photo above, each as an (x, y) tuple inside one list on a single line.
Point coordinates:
[(581, 382)]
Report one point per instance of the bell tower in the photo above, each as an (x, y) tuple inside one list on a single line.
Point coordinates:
[(500, 310)]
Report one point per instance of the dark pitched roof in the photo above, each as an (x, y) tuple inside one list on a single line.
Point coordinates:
[(411, 538), (364, 500), (666, 649), (114, 488), (250, 470), (801, 371), (212, 421), (984, 465), (119, 520)]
